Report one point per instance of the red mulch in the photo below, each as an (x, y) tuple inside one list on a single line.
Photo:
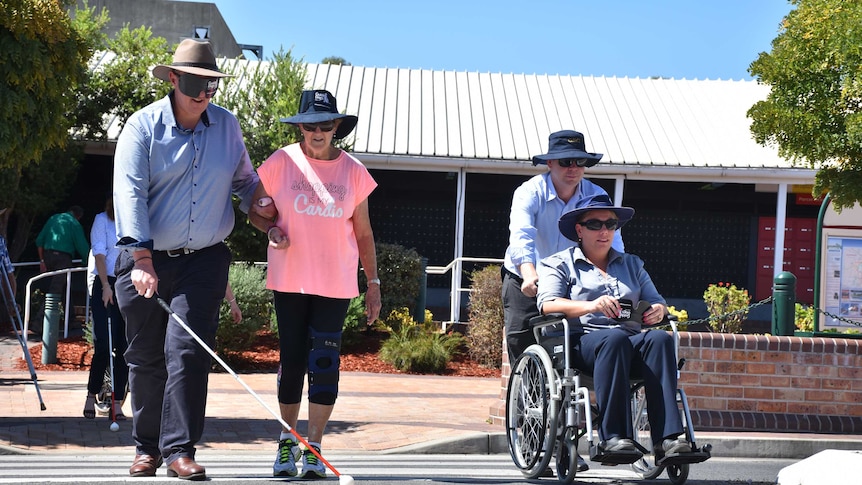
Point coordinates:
[(74, 353)]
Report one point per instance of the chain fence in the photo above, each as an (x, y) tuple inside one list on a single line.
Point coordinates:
[(743, 311)]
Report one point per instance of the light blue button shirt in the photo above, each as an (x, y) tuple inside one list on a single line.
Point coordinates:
[(534, 230), (172, 187)]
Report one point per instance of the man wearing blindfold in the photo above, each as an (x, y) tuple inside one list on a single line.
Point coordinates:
[(177, 163)]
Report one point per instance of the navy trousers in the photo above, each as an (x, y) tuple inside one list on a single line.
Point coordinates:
[(168, 370), (613, 357)]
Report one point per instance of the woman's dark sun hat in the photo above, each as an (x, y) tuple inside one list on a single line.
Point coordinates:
[(567, 144), (318, 106), (595, 202), (194, 57)]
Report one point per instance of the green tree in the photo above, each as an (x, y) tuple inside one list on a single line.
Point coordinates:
[(338, 61), (43, 58), (122, 84), (814, 110), (269, 91)]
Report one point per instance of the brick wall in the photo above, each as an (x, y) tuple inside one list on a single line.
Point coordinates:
[(763, 383)]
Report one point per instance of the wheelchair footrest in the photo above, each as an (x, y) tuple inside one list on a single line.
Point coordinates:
[(614, 457), (683, 458)]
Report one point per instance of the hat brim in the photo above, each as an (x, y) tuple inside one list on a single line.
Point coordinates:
[(569, 219), (573, 153), (162, 71), (348, 122)]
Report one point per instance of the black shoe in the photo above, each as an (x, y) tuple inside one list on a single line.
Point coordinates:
[(582, 464), (616, 444), (672, 447)]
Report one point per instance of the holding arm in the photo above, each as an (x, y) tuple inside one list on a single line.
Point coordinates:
[(263, 215), (522, 238)]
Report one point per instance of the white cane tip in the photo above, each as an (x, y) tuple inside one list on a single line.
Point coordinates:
[(345, 480), (116, 427)]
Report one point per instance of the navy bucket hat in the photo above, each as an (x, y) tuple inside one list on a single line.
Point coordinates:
[(318, 106), (595, 202), (567, 144)]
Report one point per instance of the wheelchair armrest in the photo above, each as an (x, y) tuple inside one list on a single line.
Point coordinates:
[(541, 321)]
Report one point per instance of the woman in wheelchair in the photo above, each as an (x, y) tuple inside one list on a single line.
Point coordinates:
[(587, 283)]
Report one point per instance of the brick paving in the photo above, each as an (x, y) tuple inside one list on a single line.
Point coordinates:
[(374, 412)]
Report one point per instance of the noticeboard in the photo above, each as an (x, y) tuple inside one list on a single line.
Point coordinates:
[(841, 269)]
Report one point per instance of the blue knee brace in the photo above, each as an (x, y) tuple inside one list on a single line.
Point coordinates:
[(323, 363)]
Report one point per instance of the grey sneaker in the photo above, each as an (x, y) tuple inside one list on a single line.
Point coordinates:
[(285, 460), (312, 467)]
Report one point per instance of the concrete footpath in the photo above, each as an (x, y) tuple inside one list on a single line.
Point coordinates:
[(375, 413)]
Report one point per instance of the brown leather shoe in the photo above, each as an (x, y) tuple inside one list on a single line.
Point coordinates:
[(186, 468), (145, 466)]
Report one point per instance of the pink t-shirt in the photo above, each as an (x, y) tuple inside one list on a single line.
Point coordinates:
[(315, 201)]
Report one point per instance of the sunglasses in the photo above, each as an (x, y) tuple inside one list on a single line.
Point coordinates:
[(578, 162), (192, 85), (596, 225), (325, 126)]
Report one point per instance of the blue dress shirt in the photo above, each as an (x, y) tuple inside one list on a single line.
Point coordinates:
[(173, 186), (534, 230)]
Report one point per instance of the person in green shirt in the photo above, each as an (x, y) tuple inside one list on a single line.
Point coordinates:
[(57, 243)]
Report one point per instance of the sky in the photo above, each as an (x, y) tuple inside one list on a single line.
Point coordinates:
[(682, 39)]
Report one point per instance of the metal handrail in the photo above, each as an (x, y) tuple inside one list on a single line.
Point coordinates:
[(456, 289), (68, 272)]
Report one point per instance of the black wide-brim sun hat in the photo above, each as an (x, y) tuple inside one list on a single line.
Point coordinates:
[(567, 144), (318, 106), (596, 202)]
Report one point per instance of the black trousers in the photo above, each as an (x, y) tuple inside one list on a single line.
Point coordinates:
[(101, 348), (168, 370), (55, 260), (518, 309)]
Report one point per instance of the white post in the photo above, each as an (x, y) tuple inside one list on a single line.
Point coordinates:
[(780, 222), (455, 297)]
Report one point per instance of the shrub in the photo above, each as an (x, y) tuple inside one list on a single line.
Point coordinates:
[(485, 333), (416, 348), (255, 301), (402, 317), (804, 318), (400, 271), (354, 321), (727, 306)]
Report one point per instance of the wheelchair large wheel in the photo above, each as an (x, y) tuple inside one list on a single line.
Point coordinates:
[(640, 424), (531, 412)]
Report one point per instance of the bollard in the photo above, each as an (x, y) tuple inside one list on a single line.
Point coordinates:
[(51, 328), (419, 308), (784, 304)]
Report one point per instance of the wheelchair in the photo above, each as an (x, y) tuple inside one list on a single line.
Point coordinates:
[(548, 410)]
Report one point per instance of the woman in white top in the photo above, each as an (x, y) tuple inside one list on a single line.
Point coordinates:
[(103, 242)]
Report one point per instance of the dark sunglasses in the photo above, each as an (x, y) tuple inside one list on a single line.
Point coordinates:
[(325, 126), (192, 85), (596, 225), (578, 162)]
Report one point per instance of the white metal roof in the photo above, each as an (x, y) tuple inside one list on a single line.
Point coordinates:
[(492, 122)]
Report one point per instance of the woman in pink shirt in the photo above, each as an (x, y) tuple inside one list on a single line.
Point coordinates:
[(321, 195)]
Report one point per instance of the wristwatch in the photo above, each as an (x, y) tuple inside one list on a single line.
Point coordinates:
[(374, 281)]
